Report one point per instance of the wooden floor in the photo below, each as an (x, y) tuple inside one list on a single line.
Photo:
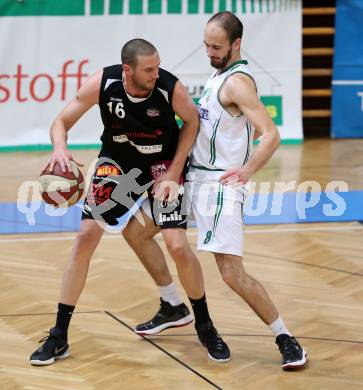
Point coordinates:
[(314, 273)]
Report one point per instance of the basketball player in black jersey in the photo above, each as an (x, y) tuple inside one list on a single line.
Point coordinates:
[(140, 142)]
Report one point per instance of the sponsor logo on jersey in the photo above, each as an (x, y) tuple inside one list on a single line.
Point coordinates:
[(203, 113), (120, 138), (114, 99), (141, 134), (134, 134), (152, 112), (145, 149), (107, 170), (158, 169)]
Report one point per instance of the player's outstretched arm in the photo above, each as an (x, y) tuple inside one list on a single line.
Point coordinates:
[(86, 97), (241, 91)]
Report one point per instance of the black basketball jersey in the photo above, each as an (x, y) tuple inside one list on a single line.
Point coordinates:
[(137, 134)]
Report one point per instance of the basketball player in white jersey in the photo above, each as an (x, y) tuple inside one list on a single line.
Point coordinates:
[(221, 163)]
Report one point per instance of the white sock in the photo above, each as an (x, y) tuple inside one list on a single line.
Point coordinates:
[(278, 327), (170, 294)]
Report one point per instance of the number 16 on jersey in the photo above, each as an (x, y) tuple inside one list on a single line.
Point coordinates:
[(117, 108)]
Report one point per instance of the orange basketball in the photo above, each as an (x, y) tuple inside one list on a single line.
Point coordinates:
[(61, 189)]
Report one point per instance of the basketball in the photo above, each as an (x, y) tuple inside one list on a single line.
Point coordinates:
[(61, 189)]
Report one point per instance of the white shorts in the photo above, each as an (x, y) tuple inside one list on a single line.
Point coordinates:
[(217, 211)]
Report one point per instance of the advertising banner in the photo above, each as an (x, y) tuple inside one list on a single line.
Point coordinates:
[(49, 47), (347, 100)]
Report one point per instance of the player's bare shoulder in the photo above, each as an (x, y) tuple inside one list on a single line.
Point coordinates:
[(238, 89), (239, 84), (90, 89)]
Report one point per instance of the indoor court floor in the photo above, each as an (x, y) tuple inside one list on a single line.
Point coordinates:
[(313, 272)]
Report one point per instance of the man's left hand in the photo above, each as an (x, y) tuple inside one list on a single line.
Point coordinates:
[(236, 177), (166, 186)]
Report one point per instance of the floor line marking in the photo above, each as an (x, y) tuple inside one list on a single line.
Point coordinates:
[(163, 350)]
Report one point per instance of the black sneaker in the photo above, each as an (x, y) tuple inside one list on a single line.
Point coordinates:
[(55, 347), (168, 316), (294, 356), (217, 349)]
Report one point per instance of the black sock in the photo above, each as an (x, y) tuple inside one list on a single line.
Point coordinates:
[(64, 316), (200, 310)]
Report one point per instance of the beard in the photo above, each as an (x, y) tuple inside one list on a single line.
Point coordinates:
[(142, 86), (221, 64)]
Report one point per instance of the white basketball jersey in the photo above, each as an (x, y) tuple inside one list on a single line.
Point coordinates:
[(224, 140)]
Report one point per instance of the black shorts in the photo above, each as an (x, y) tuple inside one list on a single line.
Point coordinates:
[(113, 193)]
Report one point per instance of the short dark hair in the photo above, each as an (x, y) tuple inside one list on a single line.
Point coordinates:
[(136, 47), (230, 24)]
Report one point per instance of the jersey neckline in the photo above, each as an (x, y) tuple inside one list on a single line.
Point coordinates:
[(134, 99), (243, 62)]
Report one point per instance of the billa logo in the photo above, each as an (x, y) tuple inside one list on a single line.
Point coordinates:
[(107, 170), (152, 112)]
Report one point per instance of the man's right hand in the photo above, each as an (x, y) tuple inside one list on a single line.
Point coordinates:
[(63, 157)]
